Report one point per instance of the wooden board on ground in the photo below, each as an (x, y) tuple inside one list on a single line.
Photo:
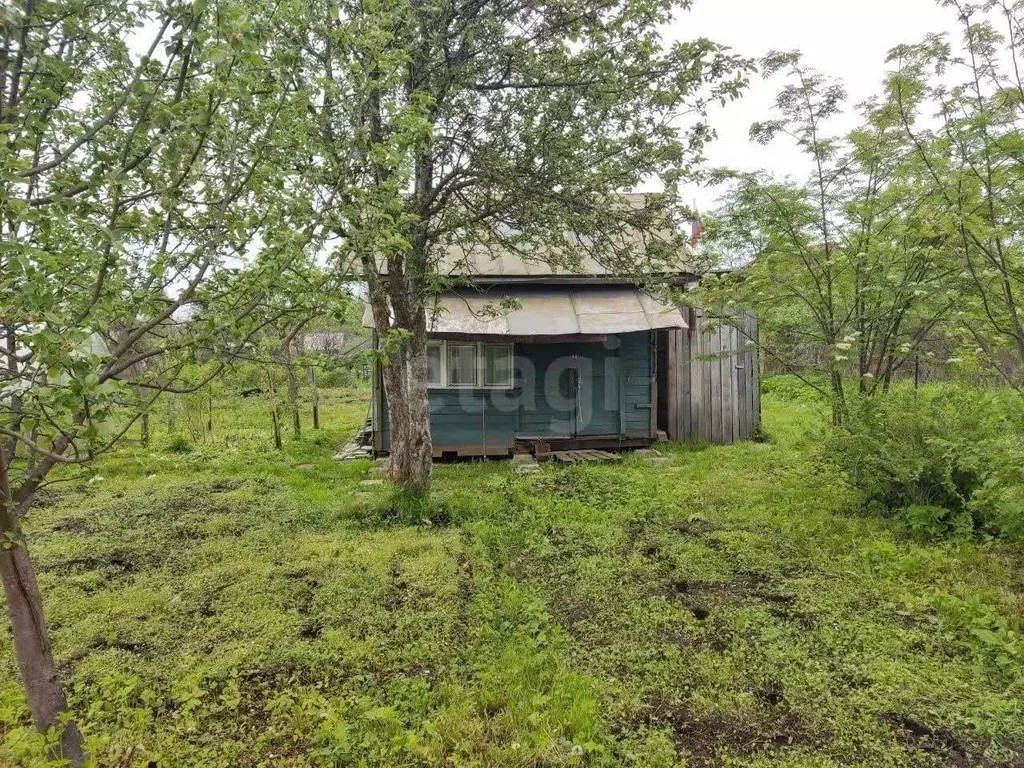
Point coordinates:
[(578, 457)]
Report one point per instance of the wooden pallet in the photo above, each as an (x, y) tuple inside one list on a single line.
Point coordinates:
[(580, 457)]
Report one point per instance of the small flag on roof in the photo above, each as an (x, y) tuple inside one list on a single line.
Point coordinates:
[(696, 229)]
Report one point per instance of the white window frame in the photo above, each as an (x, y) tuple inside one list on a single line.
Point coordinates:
[(481, 362), (476, 367), (480, 376), (444, 365)]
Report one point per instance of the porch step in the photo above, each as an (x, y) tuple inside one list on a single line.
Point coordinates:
[(525, 464), (360, 448), (353, 451)]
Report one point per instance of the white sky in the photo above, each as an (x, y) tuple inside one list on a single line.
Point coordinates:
[(846, 39)]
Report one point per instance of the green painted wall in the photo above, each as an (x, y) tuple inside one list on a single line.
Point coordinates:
[(614, 396)]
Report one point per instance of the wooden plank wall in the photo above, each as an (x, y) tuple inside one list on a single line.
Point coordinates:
[(713, 380)]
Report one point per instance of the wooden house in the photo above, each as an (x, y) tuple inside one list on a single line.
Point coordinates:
[(578, 359)]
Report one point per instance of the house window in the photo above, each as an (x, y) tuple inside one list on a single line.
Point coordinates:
[(465, 364), (497, 365), (435, 364), (462, 365)]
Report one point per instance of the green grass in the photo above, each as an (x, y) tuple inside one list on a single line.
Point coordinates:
[(236, 606)]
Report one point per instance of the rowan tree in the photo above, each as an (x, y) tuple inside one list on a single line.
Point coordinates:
[(847, 265), (961, 109)]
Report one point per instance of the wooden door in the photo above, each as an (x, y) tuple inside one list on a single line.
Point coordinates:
[(598, 387)]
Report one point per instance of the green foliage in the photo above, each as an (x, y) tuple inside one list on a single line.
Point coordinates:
[(144, 156), (179, 444), (934, 522), (131, 174), (948, 460), (806, 388), (845, 273), (968, 173), (898, 244), (405, 506), (458, 122), (235, 605)]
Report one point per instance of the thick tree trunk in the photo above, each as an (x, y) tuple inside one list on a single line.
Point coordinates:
[(32, 647), (399, 296), (404, 376), (405, 383)]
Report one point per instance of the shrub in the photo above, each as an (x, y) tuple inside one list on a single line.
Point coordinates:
[(179, 444), (789, 387), (943, 459)]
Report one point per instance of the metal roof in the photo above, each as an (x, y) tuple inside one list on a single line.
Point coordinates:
[(501, 260), (549, 311), (480, 262)]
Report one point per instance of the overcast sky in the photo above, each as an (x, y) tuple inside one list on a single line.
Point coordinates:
[(847, 39)]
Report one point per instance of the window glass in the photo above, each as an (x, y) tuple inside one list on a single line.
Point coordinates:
[(461, 365), (434, 361), (497, 365)]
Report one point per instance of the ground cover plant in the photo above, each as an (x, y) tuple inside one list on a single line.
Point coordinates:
[(225, 604)]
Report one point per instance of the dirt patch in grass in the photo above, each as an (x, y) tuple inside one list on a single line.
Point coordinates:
[(951, 748), (710, 739), (311, 630), (49, 497), (695, 526), (651, 551), (225, 486), (700, 612), (746, 588), (74, 525), (743, 588), (634, 530), (113, 565), (570, 611), (206, 608), (304, 594), (136, 648)]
